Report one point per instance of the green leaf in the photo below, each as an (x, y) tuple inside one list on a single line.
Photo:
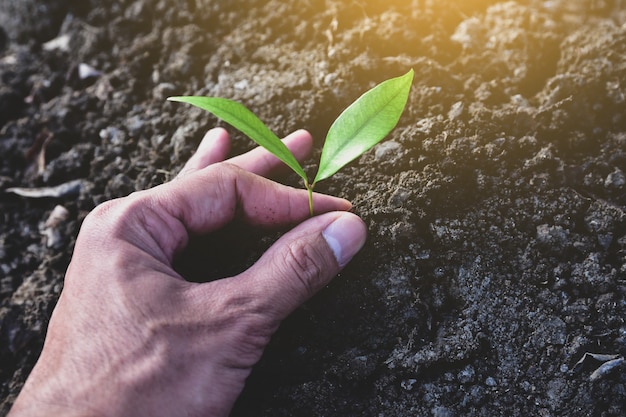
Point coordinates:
[(248, 123), (363, 124)]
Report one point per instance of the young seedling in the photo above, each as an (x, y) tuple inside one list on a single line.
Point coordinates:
[(357, 129)]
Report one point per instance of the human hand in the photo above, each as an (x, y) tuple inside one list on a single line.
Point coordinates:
[(130, 337)]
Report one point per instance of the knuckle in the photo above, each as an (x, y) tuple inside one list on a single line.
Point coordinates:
[(306, 262), (111, 216), (99, 216)]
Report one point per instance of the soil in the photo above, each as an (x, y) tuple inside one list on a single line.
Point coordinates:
[(494, 278)]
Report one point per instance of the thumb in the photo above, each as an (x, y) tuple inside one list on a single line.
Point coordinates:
[(303, 261)]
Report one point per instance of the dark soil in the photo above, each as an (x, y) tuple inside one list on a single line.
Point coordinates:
[(496, 209)]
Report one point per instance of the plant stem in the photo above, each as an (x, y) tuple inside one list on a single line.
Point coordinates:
[(310, 190)]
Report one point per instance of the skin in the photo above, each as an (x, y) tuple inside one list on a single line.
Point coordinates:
[(131, 337)]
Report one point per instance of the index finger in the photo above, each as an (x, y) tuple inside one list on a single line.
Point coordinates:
[(261, 162), (212, 197)]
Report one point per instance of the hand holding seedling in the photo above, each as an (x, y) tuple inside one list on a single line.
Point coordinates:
[(130, 337), (362, 125)]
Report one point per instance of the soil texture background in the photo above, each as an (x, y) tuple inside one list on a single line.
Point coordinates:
[(494, 278)]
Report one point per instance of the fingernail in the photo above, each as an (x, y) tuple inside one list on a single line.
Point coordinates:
[(345, 236)]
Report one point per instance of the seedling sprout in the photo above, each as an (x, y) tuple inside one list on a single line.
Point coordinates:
[(357, 129)]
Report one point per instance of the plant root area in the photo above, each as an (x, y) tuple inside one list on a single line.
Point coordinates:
[(493, 282)]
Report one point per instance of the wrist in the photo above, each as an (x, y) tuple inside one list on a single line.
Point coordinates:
[(35, 408), (52, 390), (48, 396)]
